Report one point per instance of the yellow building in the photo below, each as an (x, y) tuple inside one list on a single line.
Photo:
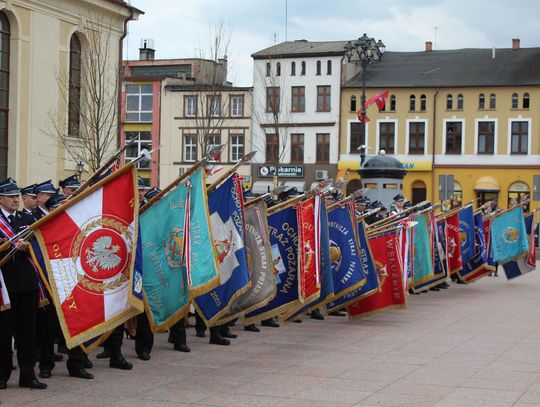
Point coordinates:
[(471, 113)]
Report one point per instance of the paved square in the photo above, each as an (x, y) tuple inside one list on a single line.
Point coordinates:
[(468, 346)]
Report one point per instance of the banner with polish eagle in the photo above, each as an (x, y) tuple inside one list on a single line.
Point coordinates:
[(91, 254)]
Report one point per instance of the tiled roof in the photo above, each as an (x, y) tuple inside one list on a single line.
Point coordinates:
[(302, 48)]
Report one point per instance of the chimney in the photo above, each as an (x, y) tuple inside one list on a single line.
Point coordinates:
[(515, 43), (429, 46), (147, 51)]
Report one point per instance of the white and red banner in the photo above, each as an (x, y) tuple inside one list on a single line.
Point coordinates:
[(89, 250)]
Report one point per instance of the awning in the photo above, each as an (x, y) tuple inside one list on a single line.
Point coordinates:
[(262, 187), (299, 185), (487, 184)]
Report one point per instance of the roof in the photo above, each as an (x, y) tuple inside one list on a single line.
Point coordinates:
[(206, 87), (127, 5), (453, 68), (302, 48)]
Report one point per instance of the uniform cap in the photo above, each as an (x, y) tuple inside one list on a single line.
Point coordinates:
[(9, 187), (46, 187), (29, 190), (70, 182)]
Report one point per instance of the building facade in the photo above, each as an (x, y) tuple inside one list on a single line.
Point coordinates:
[(471, 113), (296, 102)]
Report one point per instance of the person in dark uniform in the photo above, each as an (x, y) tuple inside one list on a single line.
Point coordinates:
[(29, 199), (22, 285), (177, 336), (69, 185), (218, 334)]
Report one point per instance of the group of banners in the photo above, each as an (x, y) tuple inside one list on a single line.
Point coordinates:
[(104, 261)]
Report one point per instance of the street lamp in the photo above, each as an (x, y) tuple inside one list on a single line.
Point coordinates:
[(80, 169), (367, 51)]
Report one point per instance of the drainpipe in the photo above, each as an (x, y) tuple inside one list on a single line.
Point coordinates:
[(434, 145), (121, 70)]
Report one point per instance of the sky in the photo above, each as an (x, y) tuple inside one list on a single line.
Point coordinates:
[(181, 28)]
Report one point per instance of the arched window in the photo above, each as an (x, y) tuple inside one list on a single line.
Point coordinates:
[(303, 68), (353, 103), (278, 69), (481, 101), (449, 102), (412, 103), (423, 103), (460, 102), (526, 101), (268, 69), (293, 68), (329, 67), (74, 96), (515, 100), (5, 32), (318, 68), (492, 101), (393, 103)]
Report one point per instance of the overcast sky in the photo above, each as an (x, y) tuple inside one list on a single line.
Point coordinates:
[(180, 27)]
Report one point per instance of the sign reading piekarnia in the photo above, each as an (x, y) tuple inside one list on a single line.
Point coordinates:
[(284, 171)]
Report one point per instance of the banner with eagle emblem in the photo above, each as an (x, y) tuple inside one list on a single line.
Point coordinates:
[(509, 236), (476, 266), (466, 233), (527, 262), (89, 247)]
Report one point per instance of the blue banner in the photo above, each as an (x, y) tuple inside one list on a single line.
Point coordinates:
[(440, 269), (466, 234), (522, 265), (509, 236), (423, 257), (479, 259)]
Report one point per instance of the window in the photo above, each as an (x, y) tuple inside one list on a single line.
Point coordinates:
[(357, 137), (214, 106), (138, 141), (272, 99), (526, 101), (423, 103), (293, 68), (460, 102), (139, 99), (492, 101), (268, 69), (237, 106), (417, 132), (386, 137), (237, 147), (481, 101), (297, 148), (393, 103), (323, 147), (449, 102), (486, 137), (515, 100), (323, 98), (278, 69), (453, 137), (272, 147), (190, 148), (329, 67), (520, 137), (298, 94), (74, 96), (353, 103), (4, 91), (213, 140), (190, 106), (303, 68), (412, 103), (318, 68)]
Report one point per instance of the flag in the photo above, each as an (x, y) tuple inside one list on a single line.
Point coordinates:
[(369, 269), (89, 250), (379, 99), (475, 268), (365, 116), (228, 230), (453, 243), (386, 250), (509, 236), (527, 262), (165, 284), (259, 263), (4, 296), (440, 271), (283, 229), (466, 233), (423, 257), (490, 262)]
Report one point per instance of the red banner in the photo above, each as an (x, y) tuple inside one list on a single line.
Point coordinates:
[(453, 244), (308, 249)]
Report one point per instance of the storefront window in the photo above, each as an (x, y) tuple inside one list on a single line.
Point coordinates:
[(518, 193)]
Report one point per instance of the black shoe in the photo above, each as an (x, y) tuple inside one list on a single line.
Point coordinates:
[(297, 321), (3, 385), (33, 384), (219, 340), (128, 335), (120, 363), (337, 314), (62, 348), (434, 289), (460, 282), (87, 363), (58, 357), (316, 314), (229, 334), (170, 339), (144, 355), (81, 374), (106, 354), (45, 374), (182, 348), (200, 334), (272, 323), (251, 328)]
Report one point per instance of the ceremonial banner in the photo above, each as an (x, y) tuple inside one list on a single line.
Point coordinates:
[(440, 271), (453, 243), (369, 269), (4, 296), (405, 239), (527, 262), (466, 234), (228, 230), (283, 229), (259, 263), (475, 268), (89, 251), (490, 263), (423, 256), (508, 235), (165, 283), (386, 250), (201, 260)]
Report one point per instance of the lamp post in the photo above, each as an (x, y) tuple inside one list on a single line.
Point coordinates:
[(367, 51), (80, 169)]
